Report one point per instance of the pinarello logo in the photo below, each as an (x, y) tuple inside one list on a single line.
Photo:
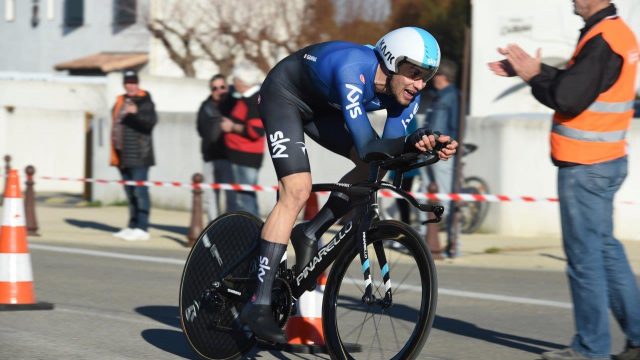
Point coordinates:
[(362, 78)]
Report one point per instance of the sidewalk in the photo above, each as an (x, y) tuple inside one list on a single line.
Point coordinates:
[(72, 223)]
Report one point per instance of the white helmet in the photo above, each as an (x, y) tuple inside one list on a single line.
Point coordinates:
[(411, 44)]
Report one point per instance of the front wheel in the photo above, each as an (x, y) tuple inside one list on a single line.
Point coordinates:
[(395, 329)]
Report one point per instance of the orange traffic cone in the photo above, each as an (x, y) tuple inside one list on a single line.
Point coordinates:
[(311, 208), (305, 327), (16, 277)]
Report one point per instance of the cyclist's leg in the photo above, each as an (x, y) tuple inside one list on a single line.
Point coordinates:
[(282, 118)]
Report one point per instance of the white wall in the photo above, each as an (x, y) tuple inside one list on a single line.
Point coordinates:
[(513, 156), (546, 24), (51, 140), (42, 123)]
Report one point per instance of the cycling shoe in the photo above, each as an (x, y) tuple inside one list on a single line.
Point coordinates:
[(304, 246), (260, 319)]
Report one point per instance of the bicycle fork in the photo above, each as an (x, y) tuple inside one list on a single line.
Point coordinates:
[(361, 238)]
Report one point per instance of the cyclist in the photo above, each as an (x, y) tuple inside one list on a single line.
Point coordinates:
[(325, 91)]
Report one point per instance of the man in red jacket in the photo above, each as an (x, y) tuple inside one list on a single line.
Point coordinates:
[(244, 134)]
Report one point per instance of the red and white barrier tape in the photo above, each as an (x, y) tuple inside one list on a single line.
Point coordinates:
[(215, 186), (258, 188)]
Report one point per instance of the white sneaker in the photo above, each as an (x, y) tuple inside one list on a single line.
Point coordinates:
[(122, 233), (137, 235)]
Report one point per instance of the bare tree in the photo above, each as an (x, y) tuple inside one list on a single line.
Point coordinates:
[(221, 31)]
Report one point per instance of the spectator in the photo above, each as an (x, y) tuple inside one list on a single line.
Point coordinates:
[(134, 117), (244, 134), (217, 167), (592, 99), (443, 115)]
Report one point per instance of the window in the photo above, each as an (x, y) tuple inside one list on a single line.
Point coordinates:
[(73, 13), (10, 10), (124, 12)]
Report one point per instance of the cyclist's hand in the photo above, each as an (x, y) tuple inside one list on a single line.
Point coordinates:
[(421, 140), (448, 148)]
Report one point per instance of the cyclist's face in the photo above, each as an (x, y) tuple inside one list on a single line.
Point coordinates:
[(407, 82)]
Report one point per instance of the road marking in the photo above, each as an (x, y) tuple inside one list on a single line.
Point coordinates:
[(415, 288), (130, 318), (107, 254), (481, 296), (504, 298)]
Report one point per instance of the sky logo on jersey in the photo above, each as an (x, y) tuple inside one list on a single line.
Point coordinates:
[(405, 122), (354, 97), (278, 146)]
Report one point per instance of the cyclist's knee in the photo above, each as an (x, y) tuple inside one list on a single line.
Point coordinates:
[(295, 190)]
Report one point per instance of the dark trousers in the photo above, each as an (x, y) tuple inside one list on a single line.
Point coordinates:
[(138, 197)]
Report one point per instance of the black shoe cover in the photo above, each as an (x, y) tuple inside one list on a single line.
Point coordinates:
[(304, 247), (260, 319)]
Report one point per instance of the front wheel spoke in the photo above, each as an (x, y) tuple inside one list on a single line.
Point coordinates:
[(368, 316), (397, 287), (350, 305), (353, 280), (355, 327), (375, 337)]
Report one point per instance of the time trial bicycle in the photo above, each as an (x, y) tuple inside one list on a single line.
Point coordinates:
[(379, 301)]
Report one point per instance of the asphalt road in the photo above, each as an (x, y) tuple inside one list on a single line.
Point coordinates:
[(115, 305)]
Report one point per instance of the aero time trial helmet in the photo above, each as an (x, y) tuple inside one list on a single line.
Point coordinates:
[(411, 44)]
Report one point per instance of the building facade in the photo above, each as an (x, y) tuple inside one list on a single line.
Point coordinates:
[(40, 34)]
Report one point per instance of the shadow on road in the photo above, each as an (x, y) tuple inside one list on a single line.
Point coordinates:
[(182, 230), (459, 327), (164, 314), (468, 329), (177, 240), (171, 341), (83, 224)]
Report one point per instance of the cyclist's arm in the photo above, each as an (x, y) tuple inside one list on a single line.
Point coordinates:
[(364, 136), (351, 94)]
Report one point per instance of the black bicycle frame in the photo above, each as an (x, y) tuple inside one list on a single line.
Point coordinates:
[(353, 234), (306, 277)]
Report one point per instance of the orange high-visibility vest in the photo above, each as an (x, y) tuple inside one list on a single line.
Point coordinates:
[(114, 158), (598, 133)]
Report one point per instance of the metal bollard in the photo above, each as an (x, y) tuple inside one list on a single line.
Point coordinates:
[(195, 228), (30, 202), (433, 240)]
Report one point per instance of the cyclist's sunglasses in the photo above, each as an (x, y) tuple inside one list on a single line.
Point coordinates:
[(417, 71)]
